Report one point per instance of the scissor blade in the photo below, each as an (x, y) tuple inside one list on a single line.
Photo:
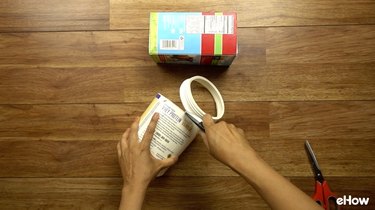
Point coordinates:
[(196, 120), (314, 162)]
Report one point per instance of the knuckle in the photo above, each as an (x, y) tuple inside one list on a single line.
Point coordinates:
[(124, 145), (222, 124)]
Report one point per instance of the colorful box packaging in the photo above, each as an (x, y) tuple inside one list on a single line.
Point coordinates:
[(193, 37)]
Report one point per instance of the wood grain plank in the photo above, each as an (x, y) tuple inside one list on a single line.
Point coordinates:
[(72, 193), (353, 119), (271, 82), (336, 157), (75, 49), (290, 120), (53, 15), (334, 44), (342, 130), (344, 157), (319, 45), (321, 119), (101, 49), (105, 121), (131, 14), (166, 192)]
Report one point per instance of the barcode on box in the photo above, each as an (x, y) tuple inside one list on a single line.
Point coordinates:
[(218, 24), (172, 44), (168, 44)]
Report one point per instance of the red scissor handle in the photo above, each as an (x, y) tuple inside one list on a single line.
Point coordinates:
[(324, 196)]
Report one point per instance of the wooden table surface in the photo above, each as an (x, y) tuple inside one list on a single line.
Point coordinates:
[(75, 73)]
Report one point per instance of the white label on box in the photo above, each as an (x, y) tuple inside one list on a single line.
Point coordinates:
[(218, 24), (194, 24)]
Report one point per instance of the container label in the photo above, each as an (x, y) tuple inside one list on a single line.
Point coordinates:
[(174, 130), (218, 24)]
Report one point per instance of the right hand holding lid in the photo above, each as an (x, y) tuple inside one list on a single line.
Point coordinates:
[(226, 142)]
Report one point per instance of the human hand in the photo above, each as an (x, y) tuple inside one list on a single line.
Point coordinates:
[(225, 142), (228, 144), (138, 166)]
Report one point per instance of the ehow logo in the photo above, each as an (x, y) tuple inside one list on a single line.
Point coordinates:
[(349, 200)]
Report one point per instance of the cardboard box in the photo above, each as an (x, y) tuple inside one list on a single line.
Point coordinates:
[(193, 37)]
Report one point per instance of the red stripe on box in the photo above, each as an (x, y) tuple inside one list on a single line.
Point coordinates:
[(208, 42), (229, 44), (230, 40)]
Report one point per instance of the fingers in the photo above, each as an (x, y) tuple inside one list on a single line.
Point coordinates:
[(119, 149), (133, 135), (236, 131), (208, 121), (147, 137), (242, 133), (168, 161), (124, 140), (232, 127)]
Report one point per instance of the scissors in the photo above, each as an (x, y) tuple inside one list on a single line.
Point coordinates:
[(323, 194), (196, 120)]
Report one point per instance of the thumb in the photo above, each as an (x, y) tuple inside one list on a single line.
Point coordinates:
[(168, 161), (208, 121)]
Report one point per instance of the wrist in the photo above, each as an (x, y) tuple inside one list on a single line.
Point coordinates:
[(132, 196), (242, 157), (134, 187), (245, 161), (254, 170)]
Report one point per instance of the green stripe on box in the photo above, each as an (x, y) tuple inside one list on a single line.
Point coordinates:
[(153, 35), (218, 48)]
